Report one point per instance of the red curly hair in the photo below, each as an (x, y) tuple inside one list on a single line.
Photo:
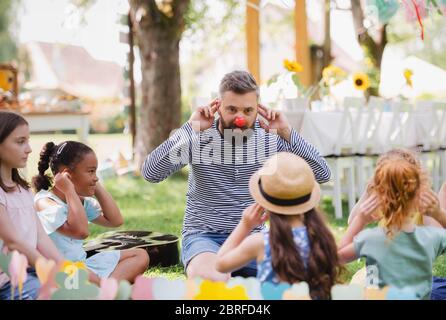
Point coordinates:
[(398, 181)]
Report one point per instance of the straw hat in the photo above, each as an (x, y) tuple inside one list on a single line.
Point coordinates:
[(285, 185)]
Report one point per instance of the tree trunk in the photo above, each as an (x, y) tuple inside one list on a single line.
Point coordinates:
[(373, 48), (158, 35), (327, 33)]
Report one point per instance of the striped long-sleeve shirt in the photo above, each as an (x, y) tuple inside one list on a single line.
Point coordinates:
[(219, 173)]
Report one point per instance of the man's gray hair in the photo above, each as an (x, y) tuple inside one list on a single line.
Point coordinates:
[(240, 82)]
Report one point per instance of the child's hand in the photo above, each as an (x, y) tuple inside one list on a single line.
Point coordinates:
[(99, 188), (62, 181), (254, 216), (368, 210), (429, 203)]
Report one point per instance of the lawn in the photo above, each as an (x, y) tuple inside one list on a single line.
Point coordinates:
[(160, 207)]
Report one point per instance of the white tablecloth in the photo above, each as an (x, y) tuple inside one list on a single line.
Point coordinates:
[(322, 129)]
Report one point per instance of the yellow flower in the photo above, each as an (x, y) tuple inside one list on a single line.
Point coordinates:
[(361, 81), (292, 66), (218, 291), (6, 80), (332, 75), (408, 76), (70, 267), (368, 62)]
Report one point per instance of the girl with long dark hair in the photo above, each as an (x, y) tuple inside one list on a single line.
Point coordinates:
[(298, 245)]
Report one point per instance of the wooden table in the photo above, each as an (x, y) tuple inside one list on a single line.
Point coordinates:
[(52, 121)]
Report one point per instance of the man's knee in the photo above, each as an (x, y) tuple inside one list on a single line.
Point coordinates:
[(203, 266)]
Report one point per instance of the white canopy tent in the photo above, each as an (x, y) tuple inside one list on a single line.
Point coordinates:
[(427, 78)]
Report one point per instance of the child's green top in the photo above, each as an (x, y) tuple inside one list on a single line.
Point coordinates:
[(404, 261)]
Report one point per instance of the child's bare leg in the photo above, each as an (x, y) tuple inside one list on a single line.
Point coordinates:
[(93, 278), (132, 263)]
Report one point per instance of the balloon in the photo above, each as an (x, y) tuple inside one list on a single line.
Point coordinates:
[(382, 10)]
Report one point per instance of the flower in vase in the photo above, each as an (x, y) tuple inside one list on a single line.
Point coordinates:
[(292, 66), (408, 77), (361, 81), (332, 75), (290, 76)]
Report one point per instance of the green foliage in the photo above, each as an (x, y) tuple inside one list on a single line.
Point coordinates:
[(8, 45), (5, 260), (197, 14), (407, 38)]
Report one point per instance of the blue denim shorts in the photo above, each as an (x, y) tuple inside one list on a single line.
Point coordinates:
[(194, 244), (104, 263), (30, 289), (438, 288)]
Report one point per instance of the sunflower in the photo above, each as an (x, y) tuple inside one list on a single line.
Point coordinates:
[(408, 76), (292, 66), (361, 81)]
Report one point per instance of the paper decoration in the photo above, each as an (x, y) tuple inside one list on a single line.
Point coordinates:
[(5, 259), (347, 292), (252, 286), (74, 286), (359, 277), (415, 10), (109, 289), (165, 289), (192, 289), (17, 270), (298, 291), (142, 289), (44, 268), (70, 267), (400, 294), (124, 290), (271, 291), (219, 291), (376, 294), (382, 10)]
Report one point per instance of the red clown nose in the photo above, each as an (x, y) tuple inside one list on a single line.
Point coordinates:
[(240, 122)]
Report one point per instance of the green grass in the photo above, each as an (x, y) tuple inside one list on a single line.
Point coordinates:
[(147, 206)]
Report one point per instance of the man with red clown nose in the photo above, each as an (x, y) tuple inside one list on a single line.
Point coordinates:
[(218, 188)]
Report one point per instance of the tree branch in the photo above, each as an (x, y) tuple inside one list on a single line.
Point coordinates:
[(358, 17), (151, 16), (179, 8)]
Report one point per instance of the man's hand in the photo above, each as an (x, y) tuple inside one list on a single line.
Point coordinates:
[(203, 117), (277, 121), (254, 216)]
